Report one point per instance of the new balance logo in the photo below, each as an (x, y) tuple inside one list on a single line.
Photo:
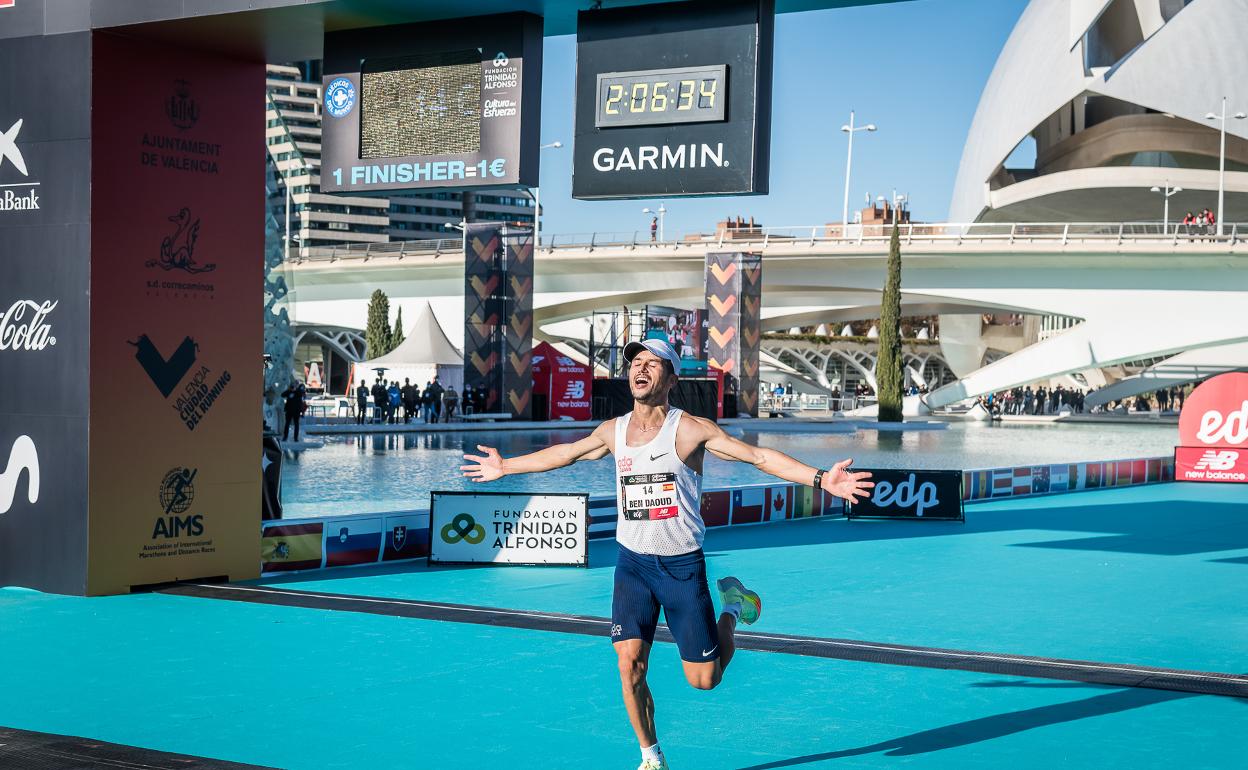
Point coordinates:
[(22, 457), (1216, 461)]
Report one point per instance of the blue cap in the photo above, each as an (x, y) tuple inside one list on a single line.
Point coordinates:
[(661, 348)]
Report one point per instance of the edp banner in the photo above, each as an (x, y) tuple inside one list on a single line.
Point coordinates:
[(902, 494), (508, 528), (1213, 431)]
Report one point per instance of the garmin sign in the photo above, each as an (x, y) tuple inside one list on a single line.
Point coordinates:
[(673, 99)]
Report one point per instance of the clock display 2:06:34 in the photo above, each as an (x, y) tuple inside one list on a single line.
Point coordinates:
[(677, 95)]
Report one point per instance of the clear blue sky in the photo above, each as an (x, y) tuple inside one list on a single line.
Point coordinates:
[(915, 69)]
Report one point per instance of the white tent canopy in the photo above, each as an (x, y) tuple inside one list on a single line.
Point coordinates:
[(424, 354)]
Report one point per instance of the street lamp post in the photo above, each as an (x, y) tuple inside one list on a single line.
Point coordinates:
[(850, 129), (537, 203), (662, 212), (1222, 157), (1165, 216), (462, 227)]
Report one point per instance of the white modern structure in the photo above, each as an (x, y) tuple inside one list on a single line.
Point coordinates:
[(1139, 297), (1112, 95)]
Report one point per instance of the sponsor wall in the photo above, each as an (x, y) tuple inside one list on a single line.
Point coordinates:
[(45, 229), (176, 329), (1213, 431), (294, 545)]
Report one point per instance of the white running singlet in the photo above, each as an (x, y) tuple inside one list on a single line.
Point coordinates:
[(658, 497)]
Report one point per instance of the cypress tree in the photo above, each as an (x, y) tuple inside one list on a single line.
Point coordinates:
[(397, 336), (888, 367), (377, 332)]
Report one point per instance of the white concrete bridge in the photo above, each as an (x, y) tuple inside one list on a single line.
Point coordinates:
[(1139, 292)]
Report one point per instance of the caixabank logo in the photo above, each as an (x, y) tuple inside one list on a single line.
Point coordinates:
[(200, 385), (18, 190)]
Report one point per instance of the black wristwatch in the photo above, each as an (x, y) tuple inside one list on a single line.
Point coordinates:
[(818, 484)]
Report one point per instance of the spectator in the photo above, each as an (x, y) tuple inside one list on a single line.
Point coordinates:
[(654, 229), (410, 398), (394, 399), (361, 403), (452, 401), (380, 398), (426, 402), (294, 398), (1188, 222), (436, 390)]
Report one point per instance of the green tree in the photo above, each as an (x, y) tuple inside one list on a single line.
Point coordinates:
[(888, 367), (397, 336), (377, 332)]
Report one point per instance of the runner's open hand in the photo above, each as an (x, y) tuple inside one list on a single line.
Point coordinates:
[(487, 467), (846, 485)]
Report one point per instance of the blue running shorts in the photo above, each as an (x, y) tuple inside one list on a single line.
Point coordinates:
[(677, 584)]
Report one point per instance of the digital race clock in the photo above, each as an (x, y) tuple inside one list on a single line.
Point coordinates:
[(673, 99), (654, 97)]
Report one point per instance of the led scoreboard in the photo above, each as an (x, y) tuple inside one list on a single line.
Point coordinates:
[(439, 104), (673, 99)]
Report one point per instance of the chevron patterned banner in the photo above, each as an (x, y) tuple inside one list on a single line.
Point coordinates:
[(518, 308), (498, 316), (734, 286), (484, 314)]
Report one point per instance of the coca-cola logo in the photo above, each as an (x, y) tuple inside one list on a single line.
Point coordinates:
[(24, 326), (1216, 414)]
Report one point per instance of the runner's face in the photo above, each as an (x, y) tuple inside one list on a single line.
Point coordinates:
[(647, 379)]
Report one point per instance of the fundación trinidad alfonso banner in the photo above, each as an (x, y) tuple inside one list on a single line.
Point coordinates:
[(501, 528), (1213, 431)]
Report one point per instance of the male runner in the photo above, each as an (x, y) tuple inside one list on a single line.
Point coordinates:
[(658, 454)]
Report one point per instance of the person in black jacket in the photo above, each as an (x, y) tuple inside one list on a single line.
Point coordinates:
[(380, 397), (361, 403), (294, 396)]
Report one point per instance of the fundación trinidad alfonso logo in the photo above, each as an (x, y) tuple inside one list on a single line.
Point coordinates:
[(340, 97), (463, 527), (177, 250), (22, 457)]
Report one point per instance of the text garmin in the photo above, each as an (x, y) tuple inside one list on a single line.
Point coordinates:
[(652, 157)]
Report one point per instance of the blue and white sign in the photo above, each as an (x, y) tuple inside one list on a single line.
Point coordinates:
[(340, 97)]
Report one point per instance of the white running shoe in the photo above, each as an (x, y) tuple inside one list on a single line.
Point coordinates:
[(650, 764)]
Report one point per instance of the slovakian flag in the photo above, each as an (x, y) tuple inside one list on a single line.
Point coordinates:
[(748, 504), (716, 507), (355, 542), (405, 537), (289, 547)]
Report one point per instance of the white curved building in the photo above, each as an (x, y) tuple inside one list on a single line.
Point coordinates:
[(1113, 95)]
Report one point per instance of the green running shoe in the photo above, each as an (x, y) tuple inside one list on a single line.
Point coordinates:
[(731, 590), (650, 764)]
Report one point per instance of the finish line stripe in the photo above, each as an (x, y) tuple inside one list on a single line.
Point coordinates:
[(1202, 682)]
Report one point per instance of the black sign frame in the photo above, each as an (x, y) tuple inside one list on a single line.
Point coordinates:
[(681, 159), (509, 43), (946, 483)]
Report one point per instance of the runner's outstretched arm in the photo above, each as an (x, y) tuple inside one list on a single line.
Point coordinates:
[(837, 481), (492, 465)]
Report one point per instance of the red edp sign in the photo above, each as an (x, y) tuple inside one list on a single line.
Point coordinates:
[(1213, 432)]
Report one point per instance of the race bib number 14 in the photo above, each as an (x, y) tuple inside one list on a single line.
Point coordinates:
[(649, 496)]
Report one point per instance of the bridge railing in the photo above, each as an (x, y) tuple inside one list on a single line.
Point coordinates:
[(828, 235)]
